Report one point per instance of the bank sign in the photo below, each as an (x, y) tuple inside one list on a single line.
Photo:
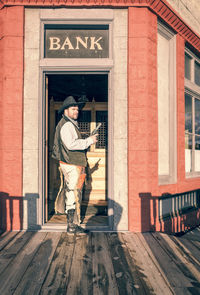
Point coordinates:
[(77, 43)]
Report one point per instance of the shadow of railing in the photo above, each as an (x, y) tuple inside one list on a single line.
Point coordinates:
[(32, 200), (172, 212), (14, 216), (8, 219)]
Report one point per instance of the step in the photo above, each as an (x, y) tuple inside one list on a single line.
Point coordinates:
[(93, 210), (94, 195), (98, 184)]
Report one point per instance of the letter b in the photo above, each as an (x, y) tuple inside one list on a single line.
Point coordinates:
[(54, 43)]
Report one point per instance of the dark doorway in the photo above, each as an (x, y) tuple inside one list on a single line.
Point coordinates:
[(95, 88)]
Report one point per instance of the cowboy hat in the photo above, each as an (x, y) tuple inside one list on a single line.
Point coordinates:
[(69, 102)]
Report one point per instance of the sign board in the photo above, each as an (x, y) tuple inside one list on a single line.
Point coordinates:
[(73, 42)]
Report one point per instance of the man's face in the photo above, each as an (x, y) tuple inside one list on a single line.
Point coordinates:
[(72, 112)]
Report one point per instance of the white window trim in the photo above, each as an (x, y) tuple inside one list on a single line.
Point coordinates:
[(172, 177), (192, 89)]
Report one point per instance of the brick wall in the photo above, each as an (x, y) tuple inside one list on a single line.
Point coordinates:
[(142, 123), (11, 112), (143, 129), (142, 112)]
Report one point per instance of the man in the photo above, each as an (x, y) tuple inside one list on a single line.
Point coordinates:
[(70, 149)]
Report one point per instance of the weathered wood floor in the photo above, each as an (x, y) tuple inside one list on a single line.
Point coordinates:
[(99, 263)]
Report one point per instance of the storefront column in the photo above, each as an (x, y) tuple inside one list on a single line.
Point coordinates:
[(142, 116), (180, 65), (11, 114)]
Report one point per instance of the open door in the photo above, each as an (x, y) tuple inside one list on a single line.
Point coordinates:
[(94, 204), (95, 188), (92, 114), (46, 150)]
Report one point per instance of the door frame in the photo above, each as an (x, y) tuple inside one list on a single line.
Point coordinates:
[(44, 72)]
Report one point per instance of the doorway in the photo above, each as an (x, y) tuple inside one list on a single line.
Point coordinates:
[(93, 86)]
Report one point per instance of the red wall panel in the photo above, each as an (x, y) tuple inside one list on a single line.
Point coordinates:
[(143, 185), (11, 109), (142, 109)]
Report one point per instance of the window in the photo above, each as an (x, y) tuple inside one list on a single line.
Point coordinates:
[(192, 113), (167, 142), (197, 73)]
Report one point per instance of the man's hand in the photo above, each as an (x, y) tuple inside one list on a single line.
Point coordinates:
[(94, 138)]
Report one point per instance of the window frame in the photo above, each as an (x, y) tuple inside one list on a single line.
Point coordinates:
[(192, 89), (170, 35)]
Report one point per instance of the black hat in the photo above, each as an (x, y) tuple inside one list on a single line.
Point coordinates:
[(68, 102)]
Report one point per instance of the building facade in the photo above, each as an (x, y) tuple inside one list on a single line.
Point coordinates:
[(138, 64)]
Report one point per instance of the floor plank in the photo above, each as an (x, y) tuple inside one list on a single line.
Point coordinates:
[(6, 238), (179, 257), (10, 251), (104, 280), (36, 272), (99, 263), (95, 221), (147, 265), (189, 254), (80, 276), (12, 275), (88, 220), (93, 213), (167, 263), (192, 235), (128, 275), (192, 249), (58, 275)]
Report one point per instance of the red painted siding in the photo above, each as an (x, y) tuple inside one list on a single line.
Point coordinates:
[(143, 125), (11, 109), (142, 111)]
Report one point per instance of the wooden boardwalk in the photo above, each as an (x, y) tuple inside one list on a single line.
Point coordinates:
[(99, 263)]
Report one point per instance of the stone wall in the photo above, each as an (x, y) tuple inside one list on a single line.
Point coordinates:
[(117, 105), (189, 10), (31, 120), (119, 92)]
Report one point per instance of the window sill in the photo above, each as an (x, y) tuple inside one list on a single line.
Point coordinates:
[(192, 175), (166, 179)]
